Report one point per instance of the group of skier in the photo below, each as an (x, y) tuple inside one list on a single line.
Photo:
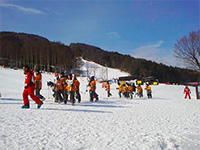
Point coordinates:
[(129, 90), (66, 88)]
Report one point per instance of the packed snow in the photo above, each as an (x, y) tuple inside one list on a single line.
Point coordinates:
[(167, 121)]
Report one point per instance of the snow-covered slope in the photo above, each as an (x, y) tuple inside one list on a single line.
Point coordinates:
[(90, 68), (165, 122)]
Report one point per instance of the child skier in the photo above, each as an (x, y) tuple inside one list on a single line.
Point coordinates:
[(77, 91), (29, 89), (125, 91), (38, 84), (148, 88), (71, 88), (120, 89), (187, 92), (108, 89), (130, 90), (139, 91), (92, 89)]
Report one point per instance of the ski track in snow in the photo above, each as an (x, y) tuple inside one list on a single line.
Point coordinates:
[(166, 122)]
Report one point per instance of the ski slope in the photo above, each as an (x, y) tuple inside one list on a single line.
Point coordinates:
[(100, 72), (166, 122)]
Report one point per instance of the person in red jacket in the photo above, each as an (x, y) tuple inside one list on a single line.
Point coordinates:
[(187, 92), (29, 88)]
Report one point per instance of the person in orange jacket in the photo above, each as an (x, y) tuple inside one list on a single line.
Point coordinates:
[(125, 90), (29, 89), (130, 90), (77, 92), (38, 84), (67, 90), (187, 92), (59, 89), (108, 89), (139, 91), (71, 87), (92, 89)]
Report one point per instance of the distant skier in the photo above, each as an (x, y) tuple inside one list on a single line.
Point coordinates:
[(187, 92), (134, 89), (77, 90), (125, 91), (71, 88), (148, 88), (120, 89), (59, 89), (92, 89), (38, 84), (29, 88), (108, 89), (139, 91), (130, 90)]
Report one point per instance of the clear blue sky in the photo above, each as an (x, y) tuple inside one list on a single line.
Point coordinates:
[(141, 28)]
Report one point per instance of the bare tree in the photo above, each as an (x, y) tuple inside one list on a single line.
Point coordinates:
[(187, 50)]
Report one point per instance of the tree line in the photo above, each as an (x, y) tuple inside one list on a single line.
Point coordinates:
[(18, 49), (138, 68)]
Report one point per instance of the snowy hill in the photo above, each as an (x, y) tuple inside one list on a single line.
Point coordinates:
[(100, 72), (165, 122)]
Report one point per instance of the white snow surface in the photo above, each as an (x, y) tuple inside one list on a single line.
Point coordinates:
[(101, 72), (166, 122)]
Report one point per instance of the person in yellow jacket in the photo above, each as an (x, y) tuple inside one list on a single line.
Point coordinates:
[(108, 89), (148, 88), (38, 84), (120, 89), (139, 91)]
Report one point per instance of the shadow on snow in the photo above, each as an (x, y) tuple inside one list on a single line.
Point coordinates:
[(77, 110), (10, 99)]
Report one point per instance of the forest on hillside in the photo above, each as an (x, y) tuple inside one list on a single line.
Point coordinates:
[(18, 49), (138, 68)]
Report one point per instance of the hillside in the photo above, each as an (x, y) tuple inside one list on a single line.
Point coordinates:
[(136, 67), (17, 49)]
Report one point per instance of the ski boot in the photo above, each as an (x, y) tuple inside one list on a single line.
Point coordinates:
[(39, 105)]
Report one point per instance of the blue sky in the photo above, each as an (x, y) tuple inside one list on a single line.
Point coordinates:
[(141, 28)]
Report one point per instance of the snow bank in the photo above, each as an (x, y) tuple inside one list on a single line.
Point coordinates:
[(165, 122)]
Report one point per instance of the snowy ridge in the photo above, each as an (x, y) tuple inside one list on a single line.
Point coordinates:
[(165, 122)]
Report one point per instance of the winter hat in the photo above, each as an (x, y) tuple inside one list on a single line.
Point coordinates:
[(37, 70), (92, 77)]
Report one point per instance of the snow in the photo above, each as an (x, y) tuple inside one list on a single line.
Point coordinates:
[(167, 121), (101, 72)]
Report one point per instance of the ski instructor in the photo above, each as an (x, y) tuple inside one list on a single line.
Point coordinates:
[(29, 89)]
